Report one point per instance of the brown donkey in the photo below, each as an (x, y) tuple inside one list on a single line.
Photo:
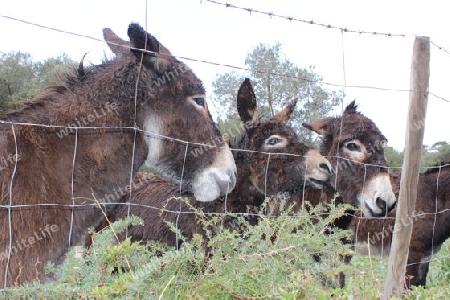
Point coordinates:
[(355, 148), (52, 172), (430, 223), (269, 158)]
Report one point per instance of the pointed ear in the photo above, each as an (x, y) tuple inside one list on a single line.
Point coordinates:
[(115, 43), (246, 104), (321, 127), (286, 113), (159, 58), (351, 108)]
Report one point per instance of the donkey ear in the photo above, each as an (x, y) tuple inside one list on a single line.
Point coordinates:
[(246, 104), (115, 43), (159, 58), (286, 113), (351, 108), (321, 127)]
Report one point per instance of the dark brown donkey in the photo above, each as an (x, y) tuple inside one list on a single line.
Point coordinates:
[(51, 174), (269, 158), (431, 226), (355, 148)]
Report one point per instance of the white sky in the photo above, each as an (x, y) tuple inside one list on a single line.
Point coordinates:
[(204, 31)]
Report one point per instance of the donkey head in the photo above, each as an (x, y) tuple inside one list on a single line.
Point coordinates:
[(278, 161), (355, 147), (174, 116)]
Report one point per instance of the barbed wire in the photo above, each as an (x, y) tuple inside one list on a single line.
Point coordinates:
[(240, 68), (323, 25)]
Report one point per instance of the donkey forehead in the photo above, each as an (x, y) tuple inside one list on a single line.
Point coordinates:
[(279, 129), (177, 79), (194, 87), (358, 126), (266, 129)]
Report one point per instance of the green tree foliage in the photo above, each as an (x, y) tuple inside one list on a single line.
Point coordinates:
[(50, 71), (436, 154), (16, 77), (442, 150), (433, 155), (21, 78), (276, 81), (394, 158)]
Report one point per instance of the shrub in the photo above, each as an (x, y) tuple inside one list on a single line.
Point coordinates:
[(291, 256)]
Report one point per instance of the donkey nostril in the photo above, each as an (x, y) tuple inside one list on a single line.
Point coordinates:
[(325, 167), (382, 205)]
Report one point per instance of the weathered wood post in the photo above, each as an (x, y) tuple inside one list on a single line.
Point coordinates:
[(418, 98)]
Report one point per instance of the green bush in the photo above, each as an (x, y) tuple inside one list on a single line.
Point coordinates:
[(440, 267), (274, 259)]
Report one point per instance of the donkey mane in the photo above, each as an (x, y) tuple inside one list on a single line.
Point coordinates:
[(70, 81)]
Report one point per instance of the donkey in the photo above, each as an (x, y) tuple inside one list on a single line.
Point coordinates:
[(85, 140), (355, 148), (269, 157), (430, 223)]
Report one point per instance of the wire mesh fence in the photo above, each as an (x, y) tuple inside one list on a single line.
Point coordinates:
[(29, 172)]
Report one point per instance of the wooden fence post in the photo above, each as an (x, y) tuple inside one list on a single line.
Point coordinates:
[(418, 98)]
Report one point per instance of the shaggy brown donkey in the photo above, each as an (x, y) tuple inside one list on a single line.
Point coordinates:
[(53, 171), (355, 148)]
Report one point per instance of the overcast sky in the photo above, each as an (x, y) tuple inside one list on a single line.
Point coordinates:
[(204, 31)]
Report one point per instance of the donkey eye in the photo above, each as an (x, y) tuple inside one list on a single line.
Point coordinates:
[(274, 141), (353, 147), (200, 101)]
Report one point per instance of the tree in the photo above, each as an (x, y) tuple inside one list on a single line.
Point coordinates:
[(21, 78), (50, 71), (276, 81), (16, 76), (443, 151), (437, 154), (394, 158)]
